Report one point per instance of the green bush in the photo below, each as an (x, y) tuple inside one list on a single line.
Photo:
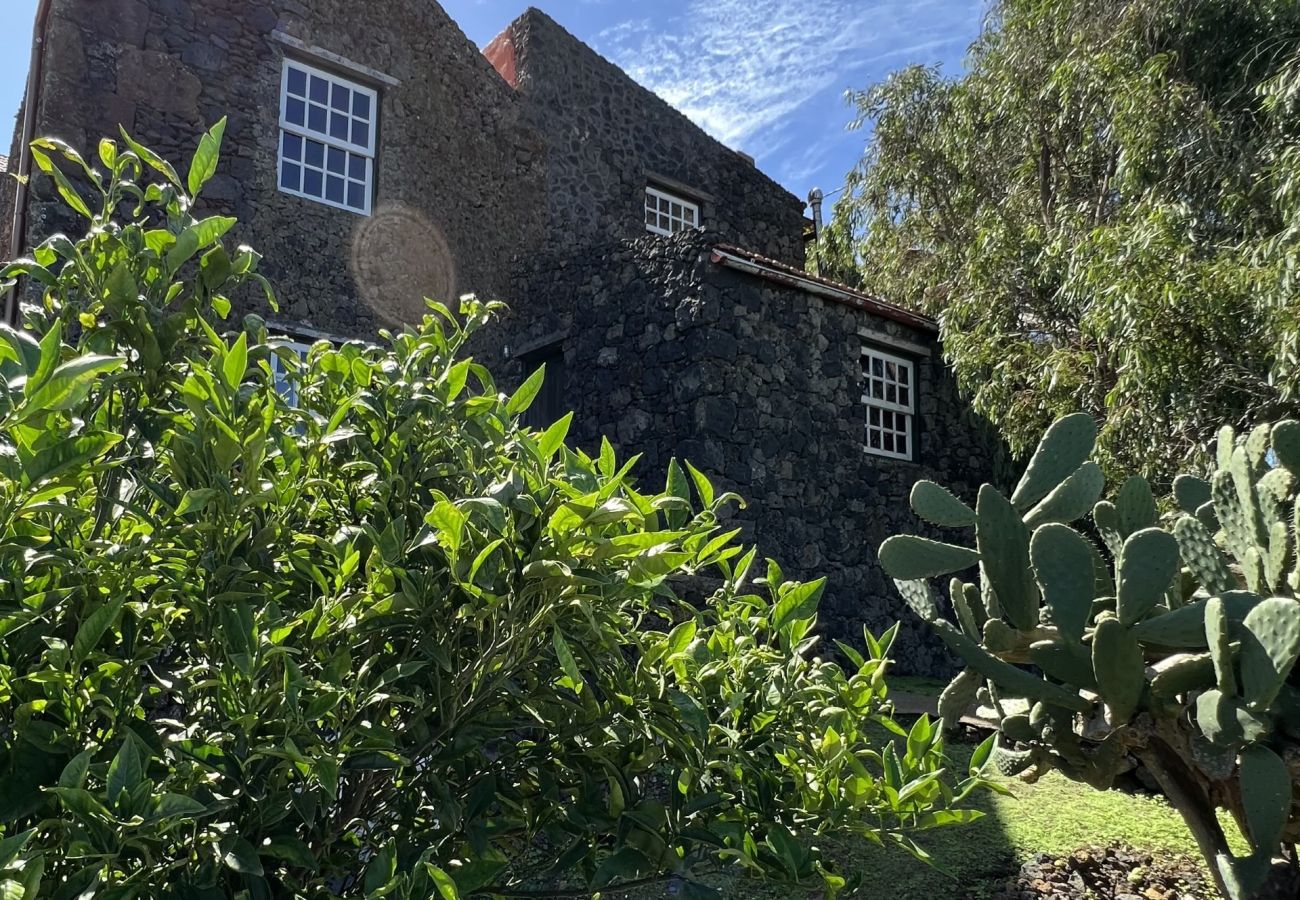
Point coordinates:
[(384, 642), (1167, 651)]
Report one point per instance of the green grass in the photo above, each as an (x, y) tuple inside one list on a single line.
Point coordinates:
[(1055, 815)]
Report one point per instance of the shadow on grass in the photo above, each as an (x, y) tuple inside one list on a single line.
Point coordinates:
[(1054, 815)]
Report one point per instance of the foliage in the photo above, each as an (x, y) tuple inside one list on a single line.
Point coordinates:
[(385, 642), (1102, 211), (1171, 648)]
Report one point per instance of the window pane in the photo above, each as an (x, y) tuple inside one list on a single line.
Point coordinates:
[(311, 182), (877, 367), (297, 82), (873, 439), (356, 195), (891, 393), (360, 133), (316, 118), (889, 442), (904, 374), (292, 146), (339, 97), (339, 126), (290, 176), (295, 111), (315, 154), (901, 443), (334, 189), (337, 161), (357, 167), (320, 90), (905, 396), (361, 105)]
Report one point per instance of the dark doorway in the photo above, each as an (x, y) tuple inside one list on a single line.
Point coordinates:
[(549, 404)]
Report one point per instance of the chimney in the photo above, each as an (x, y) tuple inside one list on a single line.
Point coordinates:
[(815, 198)]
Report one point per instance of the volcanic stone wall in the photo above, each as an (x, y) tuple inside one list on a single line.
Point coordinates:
[(459, 171), (608, 137), (758, 385)]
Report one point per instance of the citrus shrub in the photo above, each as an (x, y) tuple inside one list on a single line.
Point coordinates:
[(382, 641)]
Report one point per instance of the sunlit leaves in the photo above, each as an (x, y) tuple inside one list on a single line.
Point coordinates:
[(1096, 211), (383, 636)]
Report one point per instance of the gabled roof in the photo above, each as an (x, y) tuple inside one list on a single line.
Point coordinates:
[(779, 273)]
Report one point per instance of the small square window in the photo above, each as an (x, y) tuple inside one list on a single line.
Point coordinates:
[(667, 214), (889, 398), (327, 137)]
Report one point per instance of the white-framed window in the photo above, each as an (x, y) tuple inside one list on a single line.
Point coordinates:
[(286, 377), (889, 393), (667, 214), (327, 137)]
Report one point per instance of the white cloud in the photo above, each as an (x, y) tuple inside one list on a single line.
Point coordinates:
[(742, 69)]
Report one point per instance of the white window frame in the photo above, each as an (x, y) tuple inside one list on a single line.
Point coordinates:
[(659, 194), (366, 150), (284, 379), (906, 410)]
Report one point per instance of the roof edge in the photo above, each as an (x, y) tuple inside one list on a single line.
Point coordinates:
[(743, 260)]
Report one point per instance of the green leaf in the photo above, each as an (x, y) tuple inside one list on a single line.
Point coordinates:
[(241, 857), (10, 847), (70, 382), (446, 886), (74, 773), (553, 438), (204, 164), (178, 805), (523, 398), (153, 160), (125, 772), (236, 362), (195, 500), (65, 187), (94, 627), (797, 603), (573, 675)]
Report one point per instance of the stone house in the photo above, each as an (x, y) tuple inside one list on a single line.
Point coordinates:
[(375, 156)]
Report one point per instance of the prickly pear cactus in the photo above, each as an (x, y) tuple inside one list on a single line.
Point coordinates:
[(1114, 637)]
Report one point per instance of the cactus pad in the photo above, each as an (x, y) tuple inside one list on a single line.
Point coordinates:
[(1065, 446), (1202, 556), (1286, 444), (1220, 642), (1269, 649), (906, 557), (1119, 668), (938, 506), (1016, 682), (1216, 716), (1136, 506), (1003, 542), (920, 597), (1010, 763), (959, 696), (970, 616), (1184, 628), (1072, 499), (1191, 493), (1063, 564), (1265, 797), (1148, 563)]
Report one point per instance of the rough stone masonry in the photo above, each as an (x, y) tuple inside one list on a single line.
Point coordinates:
[(521, 173)]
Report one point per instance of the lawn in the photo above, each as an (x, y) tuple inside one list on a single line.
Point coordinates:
[(1054, 815)]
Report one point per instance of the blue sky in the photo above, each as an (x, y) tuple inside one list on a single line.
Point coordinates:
[(763, 76)]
